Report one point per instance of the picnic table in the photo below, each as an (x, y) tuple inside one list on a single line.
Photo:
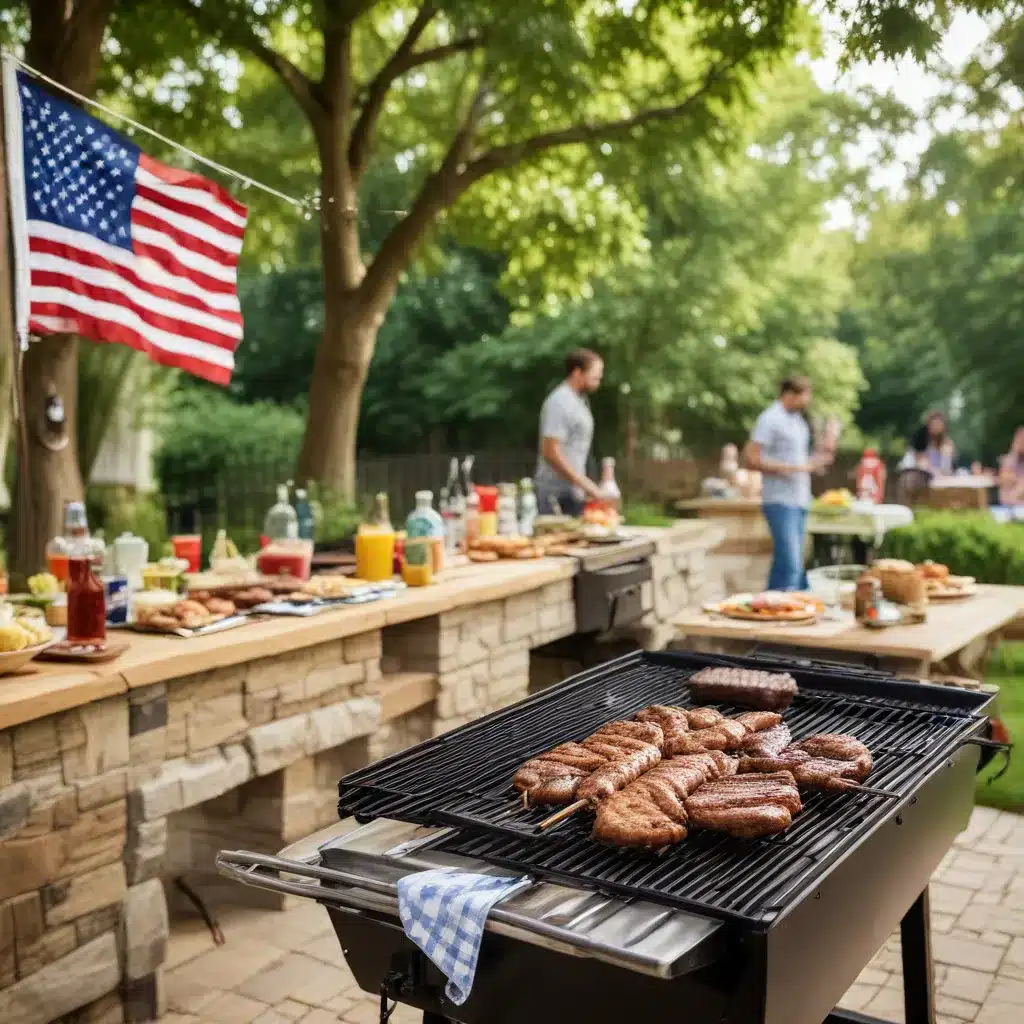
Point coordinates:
[(862, 527), (954, 641)]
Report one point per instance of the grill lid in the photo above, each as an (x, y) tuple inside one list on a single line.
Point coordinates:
[(463, 779)]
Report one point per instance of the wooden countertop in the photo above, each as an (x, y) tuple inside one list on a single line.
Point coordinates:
[(951, 626), (44, 688)]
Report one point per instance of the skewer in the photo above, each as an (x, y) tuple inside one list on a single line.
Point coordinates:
[(561, 815)]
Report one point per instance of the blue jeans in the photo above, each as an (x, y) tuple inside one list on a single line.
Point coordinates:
[(787, 524), (565, 498)]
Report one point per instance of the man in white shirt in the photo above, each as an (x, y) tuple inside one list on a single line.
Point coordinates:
[(566, 431), (779, 447)]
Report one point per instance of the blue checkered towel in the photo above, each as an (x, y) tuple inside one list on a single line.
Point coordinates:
[(444, 912)]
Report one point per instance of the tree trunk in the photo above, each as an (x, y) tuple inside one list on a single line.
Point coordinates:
[(65, 42), (339, 373), (49, 476)]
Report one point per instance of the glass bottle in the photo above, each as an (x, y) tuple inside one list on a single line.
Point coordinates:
[(609, 488), (471, 527), (375, 544), (454, 510), (87, 604), (304, 514), (281, 522), (527, 507), (508, 513), (424, 539)]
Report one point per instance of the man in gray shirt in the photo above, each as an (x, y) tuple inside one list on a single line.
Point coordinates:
[(779, 447), (566, 430)]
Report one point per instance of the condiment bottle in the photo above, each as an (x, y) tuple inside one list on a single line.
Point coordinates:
[(87, 604), (866, 598), (527, 507), (508, 517), (281, 522), (424, 523)]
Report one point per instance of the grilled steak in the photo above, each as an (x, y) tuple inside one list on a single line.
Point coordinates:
[(746, 806), (744, 822), (703, 718), (651, 812), (751, 688), (647, 732), (767, 743)]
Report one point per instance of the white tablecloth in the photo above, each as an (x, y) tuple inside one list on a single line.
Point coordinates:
[(864, 520)]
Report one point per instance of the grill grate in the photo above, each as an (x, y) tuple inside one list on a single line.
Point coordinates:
[(463, 779)]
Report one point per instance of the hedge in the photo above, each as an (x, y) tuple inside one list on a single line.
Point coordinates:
[(971, 544)]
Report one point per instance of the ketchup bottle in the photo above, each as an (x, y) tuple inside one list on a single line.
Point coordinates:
[(87, 602)]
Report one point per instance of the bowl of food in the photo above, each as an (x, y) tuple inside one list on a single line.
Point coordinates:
[(23, 634)]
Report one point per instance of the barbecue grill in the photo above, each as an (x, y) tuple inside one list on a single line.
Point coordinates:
[(715, 929)]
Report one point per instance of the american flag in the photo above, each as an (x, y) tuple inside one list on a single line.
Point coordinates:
[(115, 246)]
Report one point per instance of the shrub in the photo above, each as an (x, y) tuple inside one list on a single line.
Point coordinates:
[(971, 544), (117, 510)]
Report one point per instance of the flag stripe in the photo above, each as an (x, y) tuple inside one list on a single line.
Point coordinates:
[(192, 263), (51, 287), (59, 302), (196, 182), (183, 240), (190, 226), (151, 261), (103, 331), (193, 197), (186, 209), (56, 271)]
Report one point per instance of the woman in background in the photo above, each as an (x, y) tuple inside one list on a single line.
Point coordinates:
[(933, 449), (1011, 472)]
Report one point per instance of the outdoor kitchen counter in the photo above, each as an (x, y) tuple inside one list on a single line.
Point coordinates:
[(45, 687)]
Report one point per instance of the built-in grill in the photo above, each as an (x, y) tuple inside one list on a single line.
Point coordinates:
[(715, 929), (609, 588)]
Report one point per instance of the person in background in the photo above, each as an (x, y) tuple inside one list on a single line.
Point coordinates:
[(1011, 472), (566, 431), (779, 447), (933, 449)]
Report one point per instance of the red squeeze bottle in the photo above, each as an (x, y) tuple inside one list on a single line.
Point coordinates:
[(87, 603)]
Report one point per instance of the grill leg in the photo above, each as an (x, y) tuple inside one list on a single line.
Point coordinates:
[(918, 983)]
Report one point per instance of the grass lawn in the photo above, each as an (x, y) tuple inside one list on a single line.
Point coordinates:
[(1007, 672)]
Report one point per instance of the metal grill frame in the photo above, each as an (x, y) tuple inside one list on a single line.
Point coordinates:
[(773, 873)]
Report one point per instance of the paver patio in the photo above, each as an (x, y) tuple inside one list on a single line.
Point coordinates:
[(283, 967)]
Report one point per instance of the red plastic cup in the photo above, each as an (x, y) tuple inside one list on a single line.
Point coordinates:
[(189, 546), (488, 498)]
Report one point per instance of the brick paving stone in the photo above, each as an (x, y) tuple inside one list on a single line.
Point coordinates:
[(267, 1017), (320, 1017), (325, 947), (286, 979), (958, 952), (964, 983), (959, 1009), (228, 966), (949, 899), (186, 995), (231, 1008), (858, 996), (342, 1004), (1008, 990), (290, 1009), (1015, 954), (888, 1005), (963, 879), (367, 1011), (998, 1013), (872, 976)]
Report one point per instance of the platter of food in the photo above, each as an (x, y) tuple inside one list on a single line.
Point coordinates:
[(942, 585), (158, 611), (770, 606)]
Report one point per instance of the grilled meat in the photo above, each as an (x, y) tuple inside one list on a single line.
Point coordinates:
[(616, 775), (744, 822), (577, 756), (752, 688), (703, 718), (651, 812), (548, 782), (831, 761), (759, 721), (767, 743), (748, 791), (746, 806), (647, 732)]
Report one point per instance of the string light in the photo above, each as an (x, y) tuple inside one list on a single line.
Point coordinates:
[(302, 204)]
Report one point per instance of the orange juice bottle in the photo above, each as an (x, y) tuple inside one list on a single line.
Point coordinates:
[(375, 545)]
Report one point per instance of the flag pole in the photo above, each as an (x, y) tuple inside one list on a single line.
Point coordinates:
[(10, 344)]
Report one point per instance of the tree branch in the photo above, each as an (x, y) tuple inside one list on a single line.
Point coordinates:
[(504, 157), (236, 34), (402, 61), (439, 191)]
